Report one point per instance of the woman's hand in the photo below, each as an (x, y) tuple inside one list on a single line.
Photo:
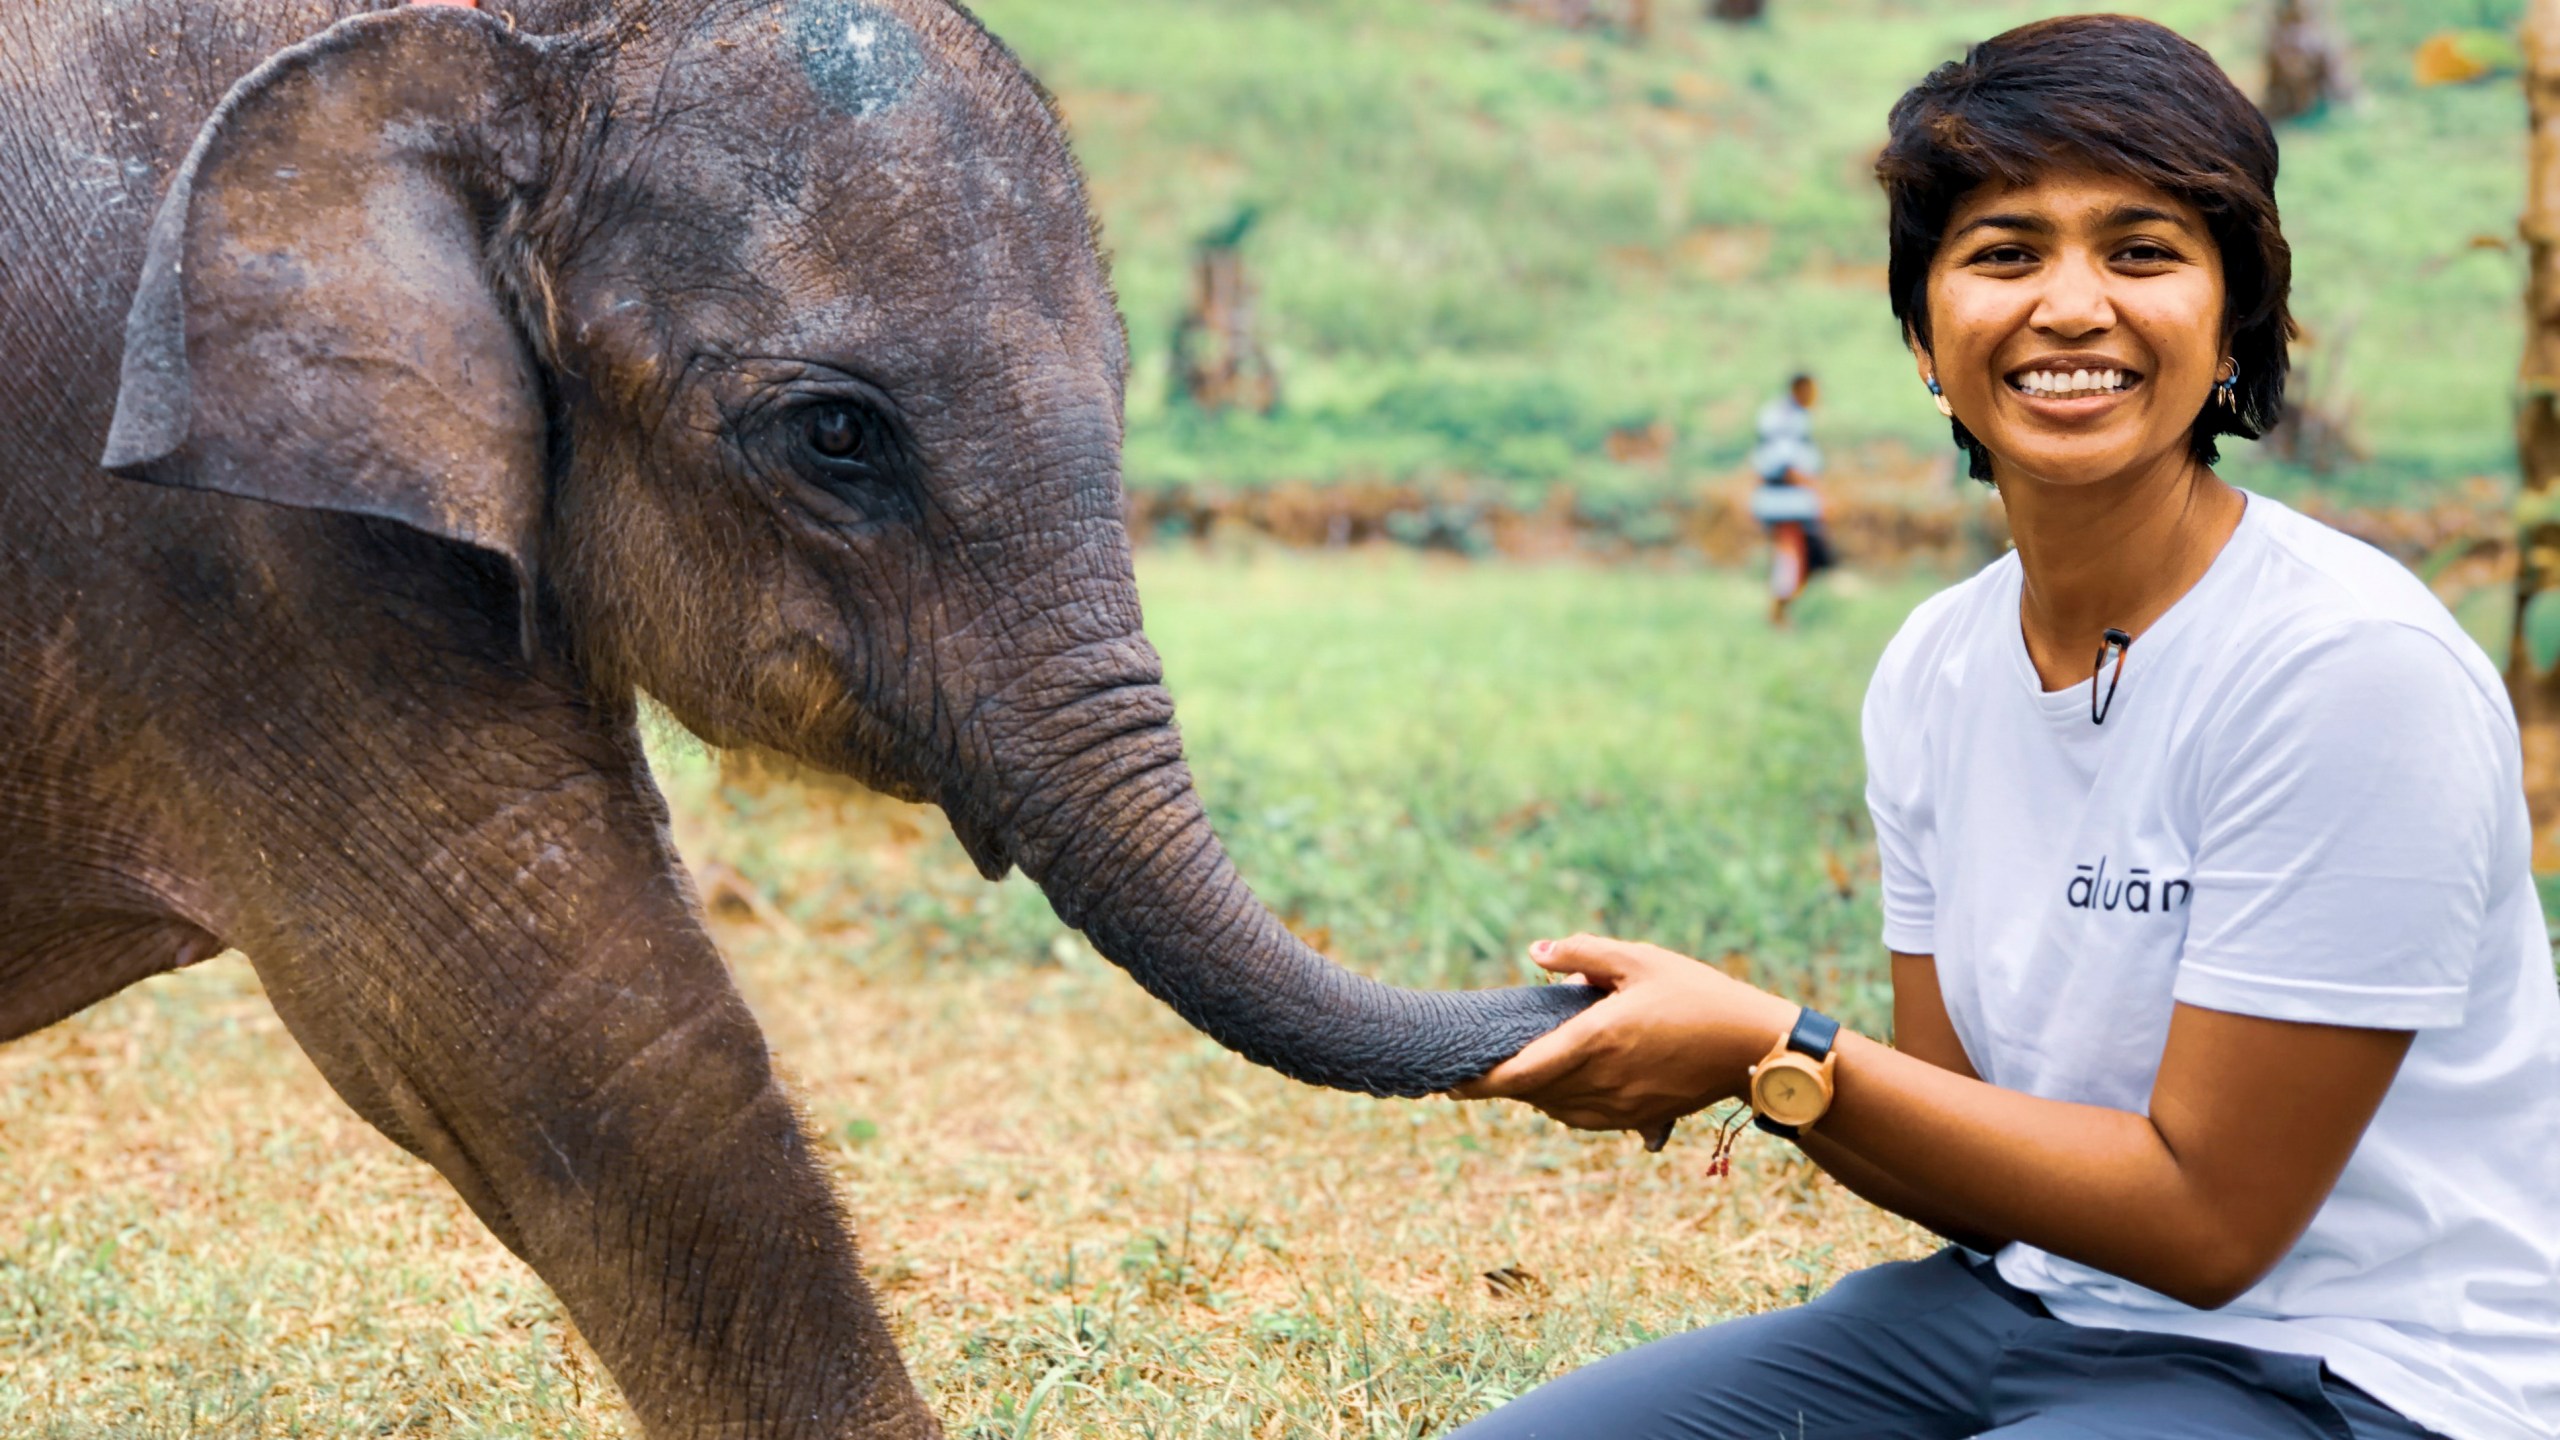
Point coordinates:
[(1672, 1037)]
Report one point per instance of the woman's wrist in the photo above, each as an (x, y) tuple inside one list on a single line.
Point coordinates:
[(1762, 1027)]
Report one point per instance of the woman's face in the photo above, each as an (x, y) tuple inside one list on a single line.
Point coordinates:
[(2076, 324)]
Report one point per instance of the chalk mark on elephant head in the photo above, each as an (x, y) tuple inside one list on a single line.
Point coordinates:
[(862, 58)]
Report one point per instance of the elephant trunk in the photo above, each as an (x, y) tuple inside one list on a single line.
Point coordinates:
[(1115, 835)]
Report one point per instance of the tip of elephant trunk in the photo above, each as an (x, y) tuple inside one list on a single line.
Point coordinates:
[(1265, 994), (1106, 821), (1407, 1044)]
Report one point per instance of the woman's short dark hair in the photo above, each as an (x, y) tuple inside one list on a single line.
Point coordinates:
[(2124, 97)]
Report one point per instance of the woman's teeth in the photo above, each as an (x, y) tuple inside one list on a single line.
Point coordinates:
[(2073, 384)]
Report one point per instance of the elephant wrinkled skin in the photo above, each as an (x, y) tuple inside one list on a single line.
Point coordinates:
[(393, 394)]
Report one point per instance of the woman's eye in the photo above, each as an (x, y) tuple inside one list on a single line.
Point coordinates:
[(835, 433)]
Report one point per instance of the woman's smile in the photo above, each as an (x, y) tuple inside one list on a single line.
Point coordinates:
[(2073, 388)]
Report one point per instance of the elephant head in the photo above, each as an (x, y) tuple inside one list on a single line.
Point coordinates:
[(768, 344)]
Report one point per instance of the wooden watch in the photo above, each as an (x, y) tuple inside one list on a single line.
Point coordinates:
[(1791, 1087)]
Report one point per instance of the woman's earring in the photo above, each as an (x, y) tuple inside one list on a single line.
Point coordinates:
[(2227, 389), (1941, 397)]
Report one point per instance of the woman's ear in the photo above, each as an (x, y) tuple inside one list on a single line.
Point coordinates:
[(316, 324), (1928, 367)]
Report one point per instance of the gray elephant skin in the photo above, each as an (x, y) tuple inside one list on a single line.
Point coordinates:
[(394, 393)]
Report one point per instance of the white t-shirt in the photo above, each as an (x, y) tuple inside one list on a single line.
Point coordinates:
[(2305, 804)]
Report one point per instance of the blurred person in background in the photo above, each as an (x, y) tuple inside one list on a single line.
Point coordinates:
[(2226, 1039), (1786, 504)]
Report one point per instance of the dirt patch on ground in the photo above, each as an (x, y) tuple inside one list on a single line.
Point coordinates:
[(1896, 512)]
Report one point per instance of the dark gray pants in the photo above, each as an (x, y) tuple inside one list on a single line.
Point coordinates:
[(1936, 1349)]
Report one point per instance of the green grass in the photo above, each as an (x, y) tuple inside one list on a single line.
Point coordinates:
[(1486, 243)]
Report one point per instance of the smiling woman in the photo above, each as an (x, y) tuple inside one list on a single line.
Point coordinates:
[(2278, 1155)]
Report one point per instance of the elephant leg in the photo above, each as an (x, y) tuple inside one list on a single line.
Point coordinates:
[(544, 1021)]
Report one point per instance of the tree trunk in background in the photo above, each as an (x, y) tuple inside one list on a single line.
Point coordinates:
[(1736, 11), (2317, 429), (2307, 65), (1218, 359), (2532, 678)]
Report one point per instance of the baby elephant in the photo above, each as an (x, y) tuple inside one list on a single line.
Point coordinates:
[(396, 392)]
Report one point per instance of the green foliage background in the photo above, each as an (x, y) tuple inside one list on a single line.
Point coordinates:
[(1486, 241)]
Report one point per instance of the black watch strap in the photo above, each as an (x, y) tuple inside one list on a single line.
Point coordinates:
[(1815, 1033)]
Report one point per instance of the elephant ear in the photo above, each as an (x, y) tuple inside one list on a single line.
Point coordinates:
[(316, 323)]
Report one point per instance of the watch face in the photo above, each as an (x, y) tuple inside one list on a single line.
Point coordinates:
[(1788, 1093)]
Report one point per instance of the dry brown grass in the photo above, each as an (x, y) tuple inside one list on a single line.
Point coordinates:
[(196, 1237)]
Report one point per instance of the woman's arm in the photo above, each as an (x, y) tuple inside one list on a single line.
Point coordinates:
[(1885, 1193), (1921, 1027), (1922, 1031), (2250, 1121)]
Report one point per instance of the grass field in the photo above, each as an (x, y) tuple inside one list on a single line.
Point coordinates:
[(1085, 1220), (1485, 242)]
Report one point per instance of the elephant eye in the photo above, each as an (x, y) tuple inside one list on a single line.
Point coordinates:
[(847, 445), (836, 433)]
